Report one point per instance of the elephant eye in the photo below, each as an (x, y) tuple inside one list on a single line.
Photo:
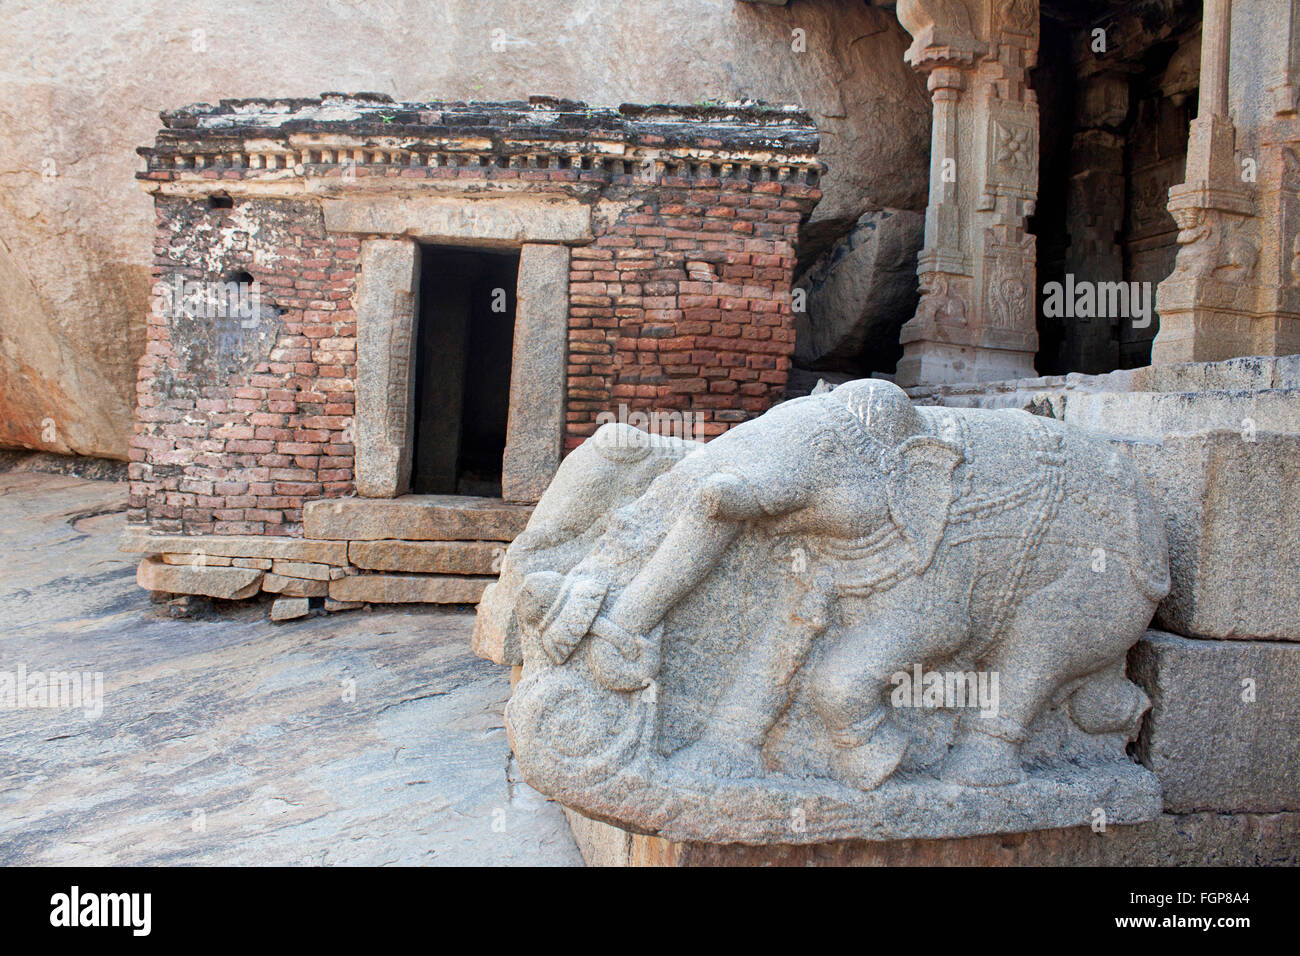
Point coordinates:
[(826, 446)]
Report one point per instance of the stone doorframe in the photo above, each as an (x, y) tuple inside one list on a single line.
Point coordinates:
[(387, 307)]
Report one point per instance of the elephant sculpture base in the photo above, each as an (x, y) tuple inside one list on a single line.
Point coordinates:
[(654, 797), (601, 752), (846, 619), (908, 808)]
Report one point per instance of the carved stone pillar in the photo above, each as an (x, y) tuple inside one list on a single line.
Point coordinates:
[(1208, 306), (386, 315), (535, 432), (976, 317), (1277, 325)]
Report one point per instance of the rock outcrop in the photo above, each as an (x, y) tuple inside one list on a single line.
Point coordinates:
[(859, 294)]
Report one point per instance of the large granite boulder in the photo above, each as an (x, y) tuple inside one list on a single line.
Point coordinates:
[(847, 618), (859, 294)]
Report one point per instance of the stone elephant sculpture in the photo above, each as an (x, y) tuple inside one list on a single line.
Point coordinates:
[(991, 540)]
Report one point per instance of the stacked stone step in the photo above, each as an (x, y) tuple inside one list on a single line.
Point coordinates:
[(237, 567), (420, 549)]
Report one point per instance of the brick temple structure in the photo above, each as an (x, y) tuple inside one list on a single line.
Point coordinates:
[(378, 326)]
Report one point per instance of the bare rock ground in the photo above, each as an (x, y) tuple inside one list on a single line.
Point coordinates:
[(227, 739)]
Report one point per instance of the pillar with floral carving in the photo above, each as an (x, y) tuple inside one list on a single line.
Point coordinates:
[(976, 320)]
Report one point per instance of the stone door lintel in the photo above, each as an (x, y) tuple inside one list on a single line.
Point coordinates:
[(487, 221)]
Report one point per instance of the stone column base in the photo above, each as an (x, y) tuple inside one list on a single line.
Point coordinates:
[(935, 363), (1195, 839), (1207, 335)]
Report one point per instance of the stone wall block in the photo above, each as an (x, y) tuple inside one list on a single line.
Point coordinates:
[(1222, 730)]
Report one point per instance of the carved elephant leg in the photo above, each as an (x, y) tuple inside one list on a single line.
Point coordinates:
[(848, 693), (758, 691), (1032, 662), (986, 752)]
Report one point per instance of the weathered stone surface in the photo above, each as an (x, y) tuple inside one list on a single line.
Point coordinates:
[(1108, 404), (1232, 512), (231, 584), (1200, 839), (385, 409), (302, 569), (45, 541), (1156, 414), (428, 557), (415, 518), (333, 606), (76, 262), (72, 323), (1261, 387), (239, 723), (409, 588), (1248, 373), (1223, 726), (255, 547), (289, 608), (860, 293), (509, 220), (201, 560), (716, 665), (293, 587), (263, 564), (535, 429)]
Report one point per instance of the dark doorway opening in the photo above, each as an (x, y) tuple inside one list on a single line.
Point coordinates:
[(464, 340), (1113, 140)]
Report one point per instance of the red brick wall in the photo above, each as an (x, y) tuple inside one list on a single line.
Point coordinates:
[(681, 304), (684, 304), (237, 451)]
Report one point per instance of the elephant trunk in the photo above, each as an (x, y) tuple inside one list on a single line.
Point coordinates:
[(690, 550)]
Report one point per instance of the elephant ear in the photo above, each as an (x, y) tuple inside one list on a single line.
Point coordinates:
[(920, 490)]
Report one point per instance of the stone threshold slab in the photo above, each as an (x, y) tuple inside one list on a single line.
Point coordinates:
[(414, 518), (428, 557), (140, 541), (409, 588)]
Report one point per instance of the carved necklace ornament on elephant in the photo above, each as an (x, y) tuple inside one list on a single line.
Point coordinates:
[(952, 534)]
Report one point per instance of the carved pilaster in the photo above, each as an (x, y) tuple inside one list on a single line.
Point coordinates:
[(386, 314), (975, 320), (1276, 328), (1210, 305)]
